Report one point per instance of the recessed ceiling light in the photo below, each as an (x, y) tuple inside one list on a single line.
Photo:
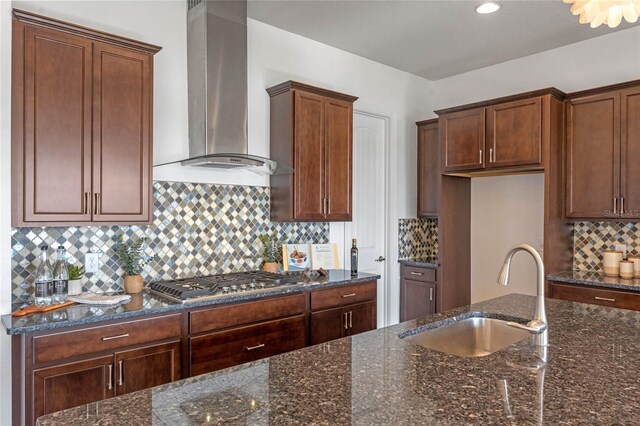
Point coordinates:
[(488, 7)]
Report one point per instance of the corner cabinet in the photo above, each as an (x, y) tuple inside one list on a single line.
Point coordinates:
[(603, 152), (428, 169), (82, 108), (311, 130)]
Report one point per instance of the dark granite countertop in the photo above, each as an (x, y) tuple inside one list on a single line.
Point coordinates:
[(596, 279), (147, 303), (421, 262), (590, 377)]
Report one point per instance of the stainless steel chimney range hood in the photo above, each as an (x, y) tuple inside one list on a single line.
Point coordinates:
[(217, 88)]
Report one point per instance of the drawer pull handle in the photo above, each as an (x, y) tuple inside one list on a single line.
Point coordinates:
[(110, 373), (120, 373), (251, 348), (119, 336), (348, 295), (431, 294), (606, 299), (417, 273)]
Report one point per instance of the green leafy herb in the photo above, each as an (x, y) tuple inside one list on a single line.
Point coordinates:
[(270, 247), (132, 256), (76, 272)]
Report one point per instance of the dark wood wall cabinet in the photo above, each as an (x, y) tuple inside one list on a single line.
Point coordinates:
[(82, 108), (498, 135), (428, 169), (603, 153), (418, 292), (311, 130), (63, 368)]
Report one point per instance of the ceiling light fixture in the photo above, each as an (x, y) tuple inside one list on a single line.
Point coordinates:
[(611, 12), (488, 7)]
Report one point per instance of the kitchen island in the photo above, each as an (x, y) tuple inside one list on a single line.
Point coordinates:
[(590, 377)]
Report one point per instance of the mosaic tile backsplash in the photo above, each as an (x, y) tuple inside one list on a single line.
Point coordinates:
[(590, 239), (417, 238), (198, 229)]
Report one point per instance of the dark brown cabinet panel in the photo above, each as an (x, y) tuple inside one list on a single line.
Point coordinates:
[(593, 156), (147, 367), (597, 296), (72, 384), (428, 169), (81, 125), (630, 154), (311, 129), (309, 156), (417, 299), (338, 152), (514, 135), (341, 322), (121, 134), (223, 349), (463, 140), (52, 144)]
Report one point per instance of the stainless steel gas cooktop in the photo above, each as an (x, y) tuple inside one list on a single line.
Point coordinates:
[(202, 288)]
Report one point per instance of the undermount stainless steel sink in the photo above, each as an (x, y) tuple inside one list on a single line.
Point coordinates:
[(470, 337)]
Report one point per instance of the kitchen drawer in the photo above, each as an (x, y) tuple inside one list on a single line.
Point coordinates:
[(426, 275), (224, 349), (72, 343), (596, 296), (341, 296), (246, 313)]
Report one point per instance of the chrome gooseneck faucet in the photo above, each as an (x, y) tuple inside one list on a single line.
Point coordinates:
[(538, 326)]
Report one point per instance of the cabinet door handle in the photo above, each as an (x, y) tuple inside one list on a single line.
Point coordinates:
[(491, 155), (348, 295), (86, 202), (417, 273), (252, 348), (346, 325), (95, 203), (606, 299), (109, 373), (350, 319), (621, 205), (430, 293), (480, 156), (615, 205), (120, 373), (119, 336), (328, 205)]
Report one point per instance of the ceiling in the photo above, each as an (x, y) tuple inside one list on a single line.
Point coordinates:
[(430, 38)]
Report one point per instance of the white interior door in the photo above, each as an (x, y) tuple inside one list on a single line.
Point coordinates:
[(369, 202)]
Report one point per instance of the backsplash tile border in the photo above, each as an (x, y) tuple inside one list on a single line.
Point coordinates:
[(590, 239), (198, 229)]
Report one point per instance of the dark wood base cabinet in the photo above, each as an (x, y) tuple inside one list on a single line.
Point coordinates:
[(595, 295), (418, 292), (63, 368)]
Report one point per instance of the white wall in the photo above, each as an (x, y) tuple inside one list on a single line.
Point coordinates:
[(506, 210), (515, 211)]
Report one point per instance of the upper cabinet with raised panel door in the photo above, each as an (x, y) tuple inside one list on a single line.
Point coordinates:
[(311, 130), (603, 151), (81, 124), (428, 168), (503, 134)]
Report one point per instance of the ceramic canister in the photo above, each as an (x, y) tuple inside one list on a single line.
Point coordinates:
[(626, 269), (611, 262), (636, 265)]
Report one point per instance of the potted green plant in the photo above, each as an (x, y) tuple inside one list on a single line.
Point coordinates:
[(132, 260), (270, 251), (76, 273)]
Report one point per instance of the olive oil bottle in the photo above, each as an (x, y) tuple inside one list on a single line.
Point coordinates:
[(354, 257)]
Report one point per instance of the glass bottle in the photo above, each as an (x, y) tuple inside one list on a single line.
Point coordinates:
[(354, 257), (44, 279), (60, 277)]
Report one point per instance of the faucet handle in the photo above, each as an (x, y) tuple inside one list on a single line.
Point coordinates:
[(533, 327)]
